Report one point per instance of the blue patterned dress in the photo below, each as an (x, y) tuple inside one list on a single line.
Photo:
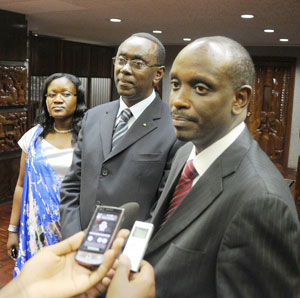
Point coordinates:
[(39, 219)]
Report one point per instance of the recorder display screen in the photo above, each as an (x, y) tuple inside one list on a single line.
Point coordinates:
[(101, 232), (140, 232)]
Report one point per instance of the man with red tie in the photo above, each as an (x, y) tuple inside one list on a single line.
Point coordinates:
[(226, 224)]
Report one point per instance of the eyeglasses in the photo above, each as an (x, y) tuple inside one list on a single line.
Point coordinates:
[(135, 64), (64, 95)]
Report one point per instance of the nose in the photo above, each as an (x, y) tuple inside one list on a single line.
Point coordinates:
[(126, 68), (179, 99), (58, 98)]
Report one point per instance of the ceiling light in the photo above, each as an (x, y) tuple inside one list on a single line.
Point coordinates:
[(269, 30), (284, 39), (247, 16), (187, 39), (157, 31), (115, 20)]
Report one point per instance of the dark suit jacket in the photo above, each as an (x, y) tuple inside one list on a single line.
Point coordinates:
[(236, 233), (131, 173)]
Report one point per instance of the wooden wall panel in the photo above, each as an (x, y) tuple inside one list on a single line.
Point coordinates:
[(101, 62), (9, 171), (45, 55), (269, 111), (12, 127), (13, 36), (76, 58), (12, 86)]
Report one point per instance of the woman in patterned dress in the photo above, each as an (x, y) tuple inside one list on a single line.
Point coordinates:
[(47, 151)]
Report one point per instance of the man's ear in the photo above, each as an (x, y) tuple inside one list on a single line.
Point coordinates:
[(242, 98), (159, 74)]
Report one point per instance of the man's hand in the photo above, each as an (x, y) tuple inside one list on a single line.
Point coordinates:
[(53, 272)]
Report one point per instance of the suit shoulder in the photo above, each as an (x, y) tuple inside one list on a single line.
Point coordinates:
[(102, 108)]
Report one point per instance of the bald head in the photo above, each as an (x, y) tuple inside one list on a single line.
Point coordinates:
[(240, 68)]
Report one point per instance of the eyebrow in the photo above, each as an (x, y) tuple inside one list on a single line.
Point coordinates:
[(136, 56)]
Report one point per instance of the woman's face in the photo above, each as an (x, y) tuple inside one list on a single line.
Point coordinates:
[(61, 98)]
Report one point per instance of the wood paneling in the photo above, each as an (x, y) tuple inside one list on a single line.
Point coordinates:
[(12, 86), (12, 127), (6, 263), (101, 62), (13, 36), (76, 58), (45, 55), (8, 177), (50, 55), (269, 112)]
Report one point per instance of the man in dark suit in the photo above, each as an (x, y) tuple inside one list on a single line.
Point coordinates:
[(118, 160), (226, 224)]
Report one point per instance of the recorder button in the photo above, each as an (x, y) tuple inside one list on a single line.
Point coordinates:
[(104, 172)]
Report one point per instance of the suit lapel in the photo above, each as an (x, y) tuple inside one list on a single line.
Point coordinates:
[(201, 196), (141, 127), (170, 185), (107, 123)]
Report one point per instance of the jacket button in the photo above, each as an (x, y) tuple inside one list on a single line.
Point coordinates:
[(104, 172)]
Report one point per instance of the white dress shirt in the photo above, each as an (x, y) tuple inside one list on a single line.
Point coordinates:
[(136, 109), (203, 160)]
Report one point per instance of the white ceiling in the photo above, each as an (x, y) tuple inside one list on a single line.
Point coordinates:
[(88, 20)]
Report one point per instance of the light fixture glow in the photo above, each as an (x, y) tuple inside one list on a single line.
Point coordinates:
[(157, 31), (247, 16), (269, 30), (284, 39), (115, 20), (187, 39)]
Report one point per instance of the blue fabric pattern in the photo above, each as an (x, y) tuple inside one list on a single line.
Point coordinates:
[(39, 219)]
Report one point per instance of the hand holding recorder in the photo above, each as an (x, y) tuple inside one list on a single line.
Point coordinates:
[(53, 272)]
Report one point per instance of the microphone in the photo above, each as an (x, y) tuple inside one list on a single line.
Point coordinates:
[(130, 215)]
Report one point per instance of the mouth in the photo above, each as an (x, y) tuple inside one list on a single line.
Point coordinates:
[(125, 83), (57, 108), (181, 120)]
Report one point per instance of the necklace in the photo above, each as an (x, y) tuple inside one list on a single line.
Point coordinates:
[(62, 131)]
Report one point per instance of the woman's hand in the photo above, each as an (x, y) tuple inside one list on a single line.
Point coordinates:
[(12, 243)]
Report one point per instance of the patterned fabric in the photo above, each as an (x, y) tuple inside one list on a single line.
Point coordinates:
[(121, 127), (183, 186), (39, 219)]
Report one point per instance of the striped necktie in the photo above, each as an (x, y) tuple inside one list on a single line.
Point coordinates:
[(183, 186), (121, 127)]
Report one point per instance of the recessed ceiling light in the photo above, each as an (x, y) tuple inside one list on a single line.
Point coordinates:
[(284, 39), (187, 39), (157, 31), (269, 30), (35, 34), (247, 16), (115, 20)]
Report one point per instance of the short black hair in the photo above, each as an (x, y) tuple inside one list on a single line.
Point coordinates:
[(44, 118), (160, 52)]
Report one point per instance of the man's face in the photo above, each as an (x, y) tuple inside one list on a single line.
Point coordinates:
[(201, 97), (136, 85)]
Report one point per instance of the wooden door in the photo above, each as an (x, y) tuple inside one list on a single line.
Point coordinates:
[(270, 109)]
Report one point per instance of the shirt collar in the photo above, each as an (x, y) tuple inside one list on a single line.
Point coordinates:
[(139, 107), (203, 160)]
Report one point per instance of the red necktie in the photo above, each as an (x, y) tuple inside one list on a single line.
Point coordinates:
[(183, 186)]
